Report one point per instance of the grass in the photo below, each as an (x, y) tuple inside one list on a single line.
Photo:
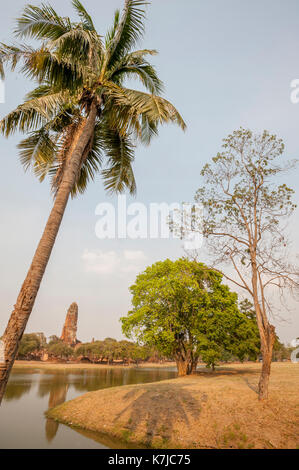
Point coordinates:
[(207, 410)]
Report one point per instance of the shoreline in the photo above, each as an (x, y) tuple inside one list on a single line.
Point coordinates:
[(82, 366), (208, 410)]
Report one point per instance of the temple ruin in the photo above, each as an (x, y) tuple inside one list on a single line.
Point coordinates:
[(69, 332)]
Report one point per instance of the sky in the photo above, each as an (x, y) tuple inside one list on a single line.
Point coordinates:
[(225, 64)]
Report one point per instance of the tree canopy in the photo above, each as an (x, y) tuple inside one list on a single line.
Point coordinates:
[(60, 350), (29, 344), (183, 309), (75, 66), (111, 350)]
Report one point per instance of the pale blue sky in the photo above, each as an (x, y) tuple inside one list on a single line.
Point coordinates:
[(225, 64)]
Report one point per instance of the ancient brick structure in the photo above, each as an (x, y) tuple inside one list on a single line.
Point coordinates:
[(69, 332)]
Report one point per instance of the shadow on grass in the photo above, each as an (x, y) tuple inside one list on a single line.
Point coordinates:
[(226, 372), (231, 372), (160, 408), (253, 386)]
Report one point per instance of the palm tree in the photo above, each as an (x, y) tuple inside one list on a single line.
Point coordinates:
[(79, 120)]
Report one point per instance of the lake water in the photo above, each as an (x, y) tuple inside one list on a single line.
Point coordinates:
[(31, 392)]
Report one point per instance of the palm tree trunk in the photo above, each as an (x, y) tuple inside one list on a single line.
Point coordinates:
[(25, 302)]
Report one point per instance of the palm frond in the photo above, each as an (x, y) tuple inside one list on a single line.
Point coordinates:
[(110, 35), (48, 105), (85, 17), (12, 55), (139, 54), (41, 23), (137, 103), (146, 74), (96, 151), (156, 108), (67, 112), (126, 121), (32, 114), (44, 66), (123, 118), (38, 150), (57, 171), (149, 129), (91, 165), (23, 120), (129, 30), (79, 47), (120, 151), (134, 65), (40, 91)]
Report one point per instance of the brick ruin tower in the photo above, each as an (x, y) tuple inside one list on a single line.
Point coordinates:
[(69, 332)]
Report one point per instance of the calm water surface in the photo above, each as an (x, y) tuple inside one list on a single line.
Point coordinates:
[(31, 392)]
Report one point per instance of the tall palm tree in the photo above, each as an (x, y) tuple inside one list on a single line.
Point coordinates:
[(79, 120)]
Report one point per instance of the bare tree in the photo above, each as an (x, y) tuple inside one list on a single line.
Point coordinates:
[(245, 212)]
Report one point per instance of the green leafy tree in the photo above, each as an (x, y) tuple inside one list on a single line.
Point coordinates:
[(138, 353), (54, 339), (280, 351), (111, 350), (60, 350), (80, 120), (183, 309), (154, 355), (29, 344), (93, 351), (244, 217), (125, 350)]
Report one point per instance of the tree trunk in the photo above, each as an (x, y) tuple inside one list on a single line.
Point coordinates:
[(183, 367), (267, 349), (267, 337), (25, 301), (267, 332), (193, 366)]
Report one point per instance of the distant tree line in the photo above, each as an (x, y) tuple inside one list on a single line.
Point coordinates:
[(107, 351), (111, 351)]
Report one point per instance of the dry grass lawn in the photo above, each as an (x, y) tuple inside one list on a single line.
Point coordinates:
[(207, 410)]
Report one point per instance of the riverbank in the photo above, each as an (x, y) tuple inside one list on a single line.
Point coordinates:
[(81, 366), (207, 410)]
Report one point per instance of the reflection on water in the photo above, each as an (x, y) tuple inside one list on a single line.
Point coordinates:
[(15, 391), (30, 392), (57, 396)]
